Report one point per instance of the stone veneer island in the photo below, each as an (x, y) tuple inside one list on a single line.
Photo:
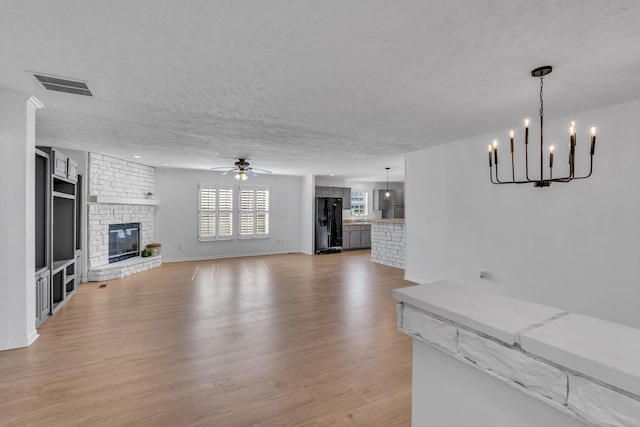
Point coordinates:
[(587, 369), (388, 241)]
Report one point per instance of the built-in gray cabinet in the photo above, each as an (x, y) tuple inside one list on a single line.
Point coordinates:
[(43, 295), (356, 236), (56, 227)]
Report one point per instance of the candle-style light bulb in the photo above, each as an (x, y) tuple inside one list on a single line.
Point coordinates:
[(592, 150), (551, 148), (526, 131), (490, 159), (511, 140), (495, 152)]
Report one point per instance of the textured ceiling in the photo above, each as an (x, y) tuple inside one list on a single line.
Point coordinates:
[(310, 87)]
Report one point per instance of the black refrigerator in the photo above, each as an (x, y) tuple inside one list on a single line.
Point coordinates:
[(328, 225)]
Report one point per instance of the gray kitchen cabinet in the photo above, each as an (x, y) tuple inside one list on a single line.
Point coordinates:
[(346, 198), (365, 236), (326, 191), (318, 191), (346, 237), (337, 192), (380, 202), (356, 236)]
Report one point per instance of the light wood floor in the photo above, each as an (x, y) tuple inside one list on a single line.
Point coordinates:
[(281, 340)]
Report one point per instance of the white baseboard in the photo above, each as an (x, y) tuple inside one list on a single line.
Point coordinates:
[(246, 254), (26, 342)]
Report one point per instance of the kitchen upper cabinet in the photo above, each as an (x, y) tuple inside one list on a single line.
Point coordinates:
[(346, 198), (337, 192)]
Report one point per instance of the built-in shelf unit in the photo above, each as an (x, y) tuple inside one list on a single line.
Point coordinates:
[(57, 245)]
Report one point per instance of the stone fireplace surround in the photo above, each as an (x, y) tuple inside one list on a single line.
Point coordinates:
[(117, 194)]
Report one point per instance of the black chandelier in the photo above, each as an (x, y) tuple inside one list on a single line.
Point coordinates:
[(542, 181)]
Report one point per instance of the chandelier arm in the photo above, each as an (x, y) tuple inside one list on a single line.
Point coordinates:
[(590, 171), (513, 169), (513, 182), (526, 161)]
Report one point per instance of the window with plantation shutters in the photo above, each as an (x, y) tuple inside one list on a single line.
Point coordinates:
[(215, 212), (253, 213)]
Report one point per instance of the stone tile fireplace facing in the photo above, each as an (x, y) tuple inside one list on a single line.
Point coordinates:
[(117, 195)]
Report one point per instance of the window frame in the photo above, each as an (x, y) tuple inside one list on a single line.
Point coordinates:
[(217, 212), (364, 204), (254, 213)]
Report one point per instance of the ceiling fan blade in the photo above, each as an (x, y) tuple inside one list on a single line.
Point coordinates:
[(261, 170), (250, 172), (229, 171), (220, 167)]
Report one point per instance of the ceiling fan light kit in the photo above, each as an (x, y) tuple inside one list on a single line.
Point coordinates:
[(542, 181), (243, 170)]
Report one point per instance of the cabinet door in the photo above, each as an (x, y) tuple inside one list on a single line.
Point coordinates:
[(336, 192), (59, 164), (45, 297), (365, 237), (355, 237), (346, 198), (326, 191), (72, 170), (38, 298), (318, 191), (346, 237)]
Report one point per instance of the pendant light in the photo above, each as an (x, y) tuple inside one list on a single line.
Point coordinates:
[(387, 194)]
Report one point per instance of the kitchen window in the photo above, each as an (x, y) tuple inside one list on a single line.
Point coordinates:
[(358, 203), (215, 212), (253, 213)]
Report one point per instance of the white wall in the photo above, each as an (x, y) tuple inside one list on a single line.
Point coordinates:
[(177, 225), (573, 246), (307, 198), (17, 220)]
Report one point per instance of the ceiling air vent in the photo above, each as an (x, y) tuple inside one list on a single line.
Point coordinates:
[(63, 85)]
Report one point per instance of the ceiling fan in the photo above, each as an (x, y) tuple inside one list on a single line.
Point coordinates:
[(243, 170)]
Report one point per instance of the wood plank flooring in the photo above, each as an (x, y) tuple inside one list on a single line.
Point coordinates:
[(281, 340)]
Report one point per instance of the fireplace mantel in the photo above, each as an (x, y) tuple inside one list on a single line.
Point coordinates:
[(112, 200)]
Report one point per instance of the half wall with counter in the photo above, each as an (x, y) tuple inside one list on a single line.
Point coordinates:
[(488, 360), (388, 241)]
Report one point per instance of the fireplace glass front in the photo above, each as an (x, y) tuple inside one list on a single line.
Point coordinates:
[(124, 241)]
